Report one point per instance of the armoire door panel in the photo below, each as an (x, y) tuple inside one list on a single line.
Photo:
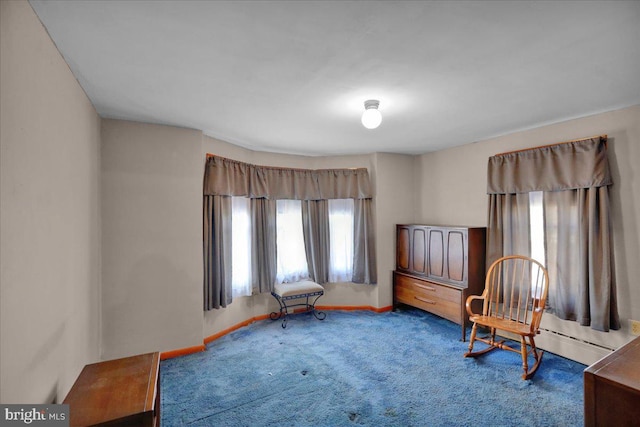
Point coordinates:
[(456, 251), (402, 260), (419, 250), (436, 253)]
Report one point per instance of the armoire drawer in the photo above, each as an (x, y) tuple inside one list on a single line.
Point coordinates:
[(435, 298)]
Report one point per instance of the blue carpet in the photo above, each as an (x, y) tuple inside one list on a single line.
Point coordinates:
[(402, 368)]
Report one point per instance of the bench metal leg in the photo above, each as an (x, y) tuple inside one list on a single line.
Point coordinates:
[(284, 308)]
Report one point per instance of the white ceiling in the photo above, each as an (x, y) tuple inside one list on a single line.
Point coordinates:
[(292, 77)]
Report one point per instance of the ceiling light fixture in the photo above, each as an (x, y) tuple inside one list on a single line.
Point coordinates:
[(371, 118)]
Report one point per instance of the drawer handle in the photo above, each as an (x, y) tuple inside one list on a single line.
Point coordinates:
[(427, 288), (428, 301)]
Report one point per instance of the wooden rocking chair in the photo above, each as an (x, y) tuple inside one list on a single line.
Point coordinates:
[(514, 297)]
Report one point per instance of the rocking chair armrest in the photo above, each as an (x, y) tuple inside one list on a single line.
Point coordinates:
[(536, 317), (467, 305)]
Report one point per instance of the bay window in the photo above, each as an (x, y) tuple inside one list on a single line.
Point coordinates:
[(265, 225)]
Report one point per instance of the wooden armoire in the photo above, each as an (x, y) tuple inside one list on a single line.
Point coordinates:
[(437, 267)]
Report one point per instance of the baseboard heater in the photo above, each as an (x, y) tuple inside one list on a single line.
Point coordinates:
[(560, 334)]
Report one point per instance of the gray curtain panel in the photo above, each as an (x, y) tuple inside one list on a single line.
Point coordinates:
[(575, 179), (315, 228), (263, 245), (224, 178), (217, 251), (508, 228), (578, 230), (364, 252)]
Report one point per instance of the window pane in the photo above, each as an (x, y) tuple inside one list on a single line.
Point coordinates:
[(240, 247), (291, 256), (536, 218), (536, 227), (341, 240)]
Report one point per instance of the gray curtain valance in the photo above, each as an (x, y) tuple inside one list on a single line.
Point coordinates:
[(566, 166), (226, 177)]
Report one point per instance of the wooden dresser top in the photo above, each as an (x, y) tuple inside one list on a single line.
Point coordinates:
[(622, 366), (114, 390)]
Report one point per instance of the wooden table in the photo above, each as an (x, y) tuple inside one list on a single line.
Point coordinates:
[(122, 392), (612, 388)]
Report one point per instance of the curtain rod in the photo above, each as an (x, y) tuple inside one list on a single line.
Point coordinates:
[(209, 155), (553, 145)]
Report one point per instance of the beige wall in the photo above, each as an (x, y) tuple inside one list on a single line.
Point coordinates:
[(151, 238), (49, 226), (452, 189), (394, 204)]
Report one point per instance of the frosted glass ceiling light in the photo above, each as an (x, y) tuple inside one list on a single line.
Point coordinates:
[(371, 118)]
